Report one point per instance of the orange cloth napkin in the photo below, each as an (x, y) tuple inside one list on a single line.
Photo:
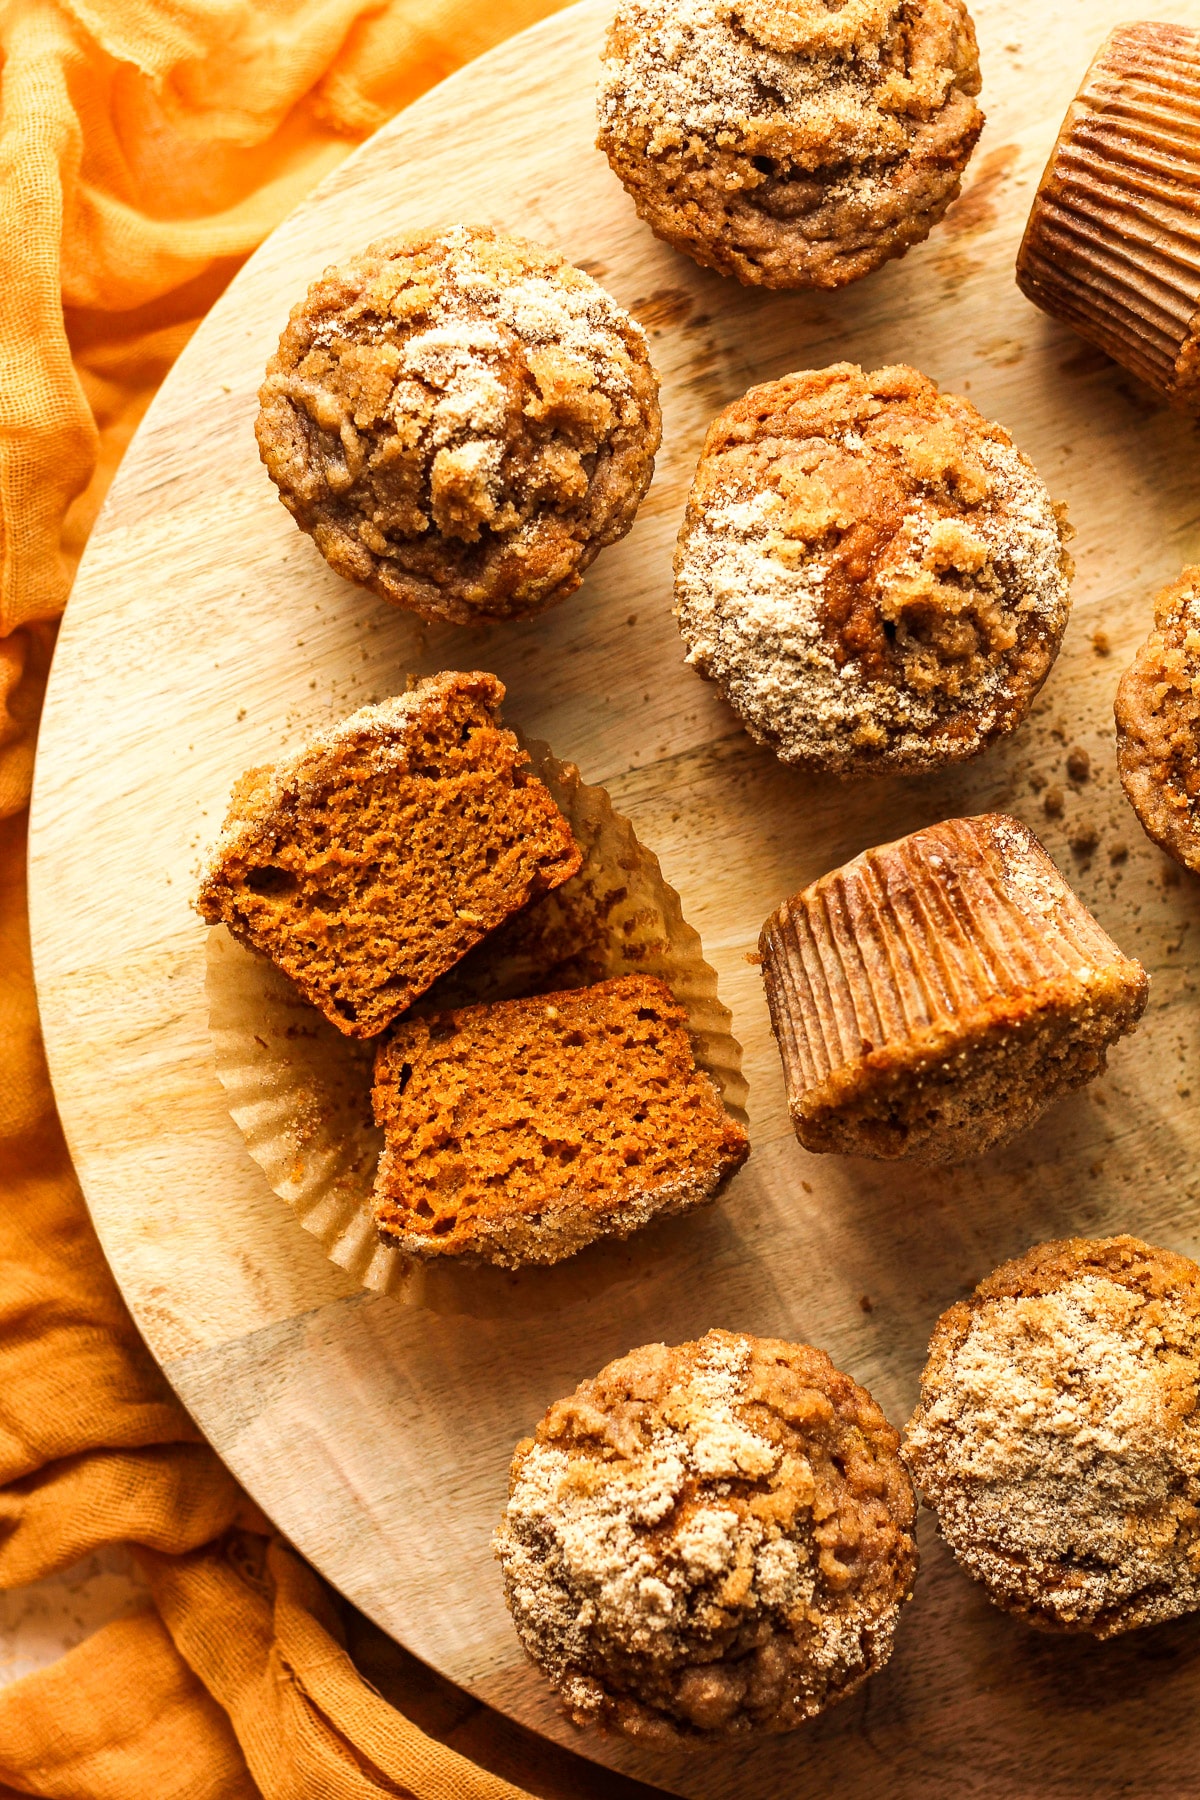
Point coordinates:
[(146, 146)]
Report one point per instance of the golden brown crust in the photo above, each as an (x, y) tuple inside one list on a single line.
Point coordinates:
[(1158, 724), (933, 997), (790, 145), (1113, 242), (1058, 1434), (870, 571), (709, 1540), (374, 859), (520, 1132), (461, 421)]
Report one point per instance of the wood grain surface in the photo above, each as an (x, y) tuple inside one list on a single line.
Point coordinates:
[(205, 634)]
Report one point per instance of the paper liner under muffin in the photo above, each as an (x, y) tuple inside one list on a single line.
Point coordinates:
[(300, 1093), (1113, 242), (915, 941)]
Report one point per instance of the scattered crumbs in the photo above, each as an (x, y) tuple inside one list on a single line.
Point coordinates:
[(312, 684), (1118, 852), (1083, 840), (754, 959), (1037, 781), (1052, 805), (1079, 764), (1101, 643), (1185, 1093), (807, 1186), (632, 619), (1059, 731), (241, 714), (866, 1303)]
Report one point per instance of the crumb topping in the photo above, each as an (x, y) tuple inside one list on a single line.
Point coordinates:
[(714, 1538), (873, 573), (833, 122), (491, 1150), (459, 390), (1158, 723), (1059, 1439)]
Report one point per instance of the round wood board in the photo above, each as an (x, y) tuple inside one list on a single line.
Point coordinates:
[(205, 634)]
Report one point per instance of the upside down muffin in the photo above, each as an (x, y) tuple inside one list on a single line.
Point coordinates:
[(370, 862), (709, 1541), (933, 997), (460, 421), (521, 1131), (1058, 1435), (791, 143), (1112, 247), (872, 574), (1158, 724)]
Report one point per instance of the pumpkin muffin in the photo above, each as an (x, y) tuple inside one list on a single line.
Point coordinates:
[(371, 861), (1158, 724), (519, 1132), (461, 421), (1058, 1435), (933, 997), (1113, 242), (788, 142), (709, 1541), (872, 574)]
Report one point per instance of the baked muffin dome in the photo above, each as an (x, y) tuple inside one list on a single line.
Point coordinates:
[(1058, 1435), (873, 574), (791, 143), (1158, 724), (709, 1540), (461, 421)]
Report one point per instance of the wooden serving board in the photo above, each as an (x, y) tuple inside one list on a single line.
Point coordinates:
[(205, 634)]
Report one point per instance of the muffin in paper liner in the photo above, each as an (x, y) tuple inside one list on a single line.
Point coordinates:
[(1112, 247), (935, 995), (300, 1092)]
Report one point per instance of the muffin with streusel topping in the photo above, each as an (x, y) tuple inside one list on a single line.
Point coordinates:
[(461, 421), (790, 143), (709, 1541), (1158, 724), (872, 573), (1058, 1435)]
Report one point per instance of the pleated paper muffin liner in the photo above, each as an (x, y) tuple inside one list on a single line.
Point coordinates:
[(912, 950), (1113, 242), (300, 1093)]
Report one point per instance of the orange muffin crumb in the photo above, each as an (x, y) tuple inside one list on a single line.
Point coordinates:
[(520, 1132)]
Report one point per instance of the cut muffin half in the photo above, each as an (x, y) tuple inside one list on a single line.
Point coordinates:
[(369, 863), (518, 1133)]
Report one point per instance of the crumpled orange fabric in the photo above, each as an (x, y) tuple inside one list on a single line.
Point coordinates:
[(146, 147)]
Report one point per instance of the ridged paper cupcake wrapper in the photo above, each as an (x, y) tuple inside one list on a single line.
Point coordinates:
[(300, 1093), (1113, 243), (916, 935)]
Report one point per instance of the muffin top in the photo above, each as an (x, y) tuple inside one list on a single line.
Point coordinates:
[(786, 141), (709, 1539), (1058, 1435), (1158, 724), (461, 421), (872, 573)]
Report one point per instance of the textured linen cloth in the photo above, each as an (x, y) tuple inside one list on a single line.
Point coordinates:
[(146, 147)]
